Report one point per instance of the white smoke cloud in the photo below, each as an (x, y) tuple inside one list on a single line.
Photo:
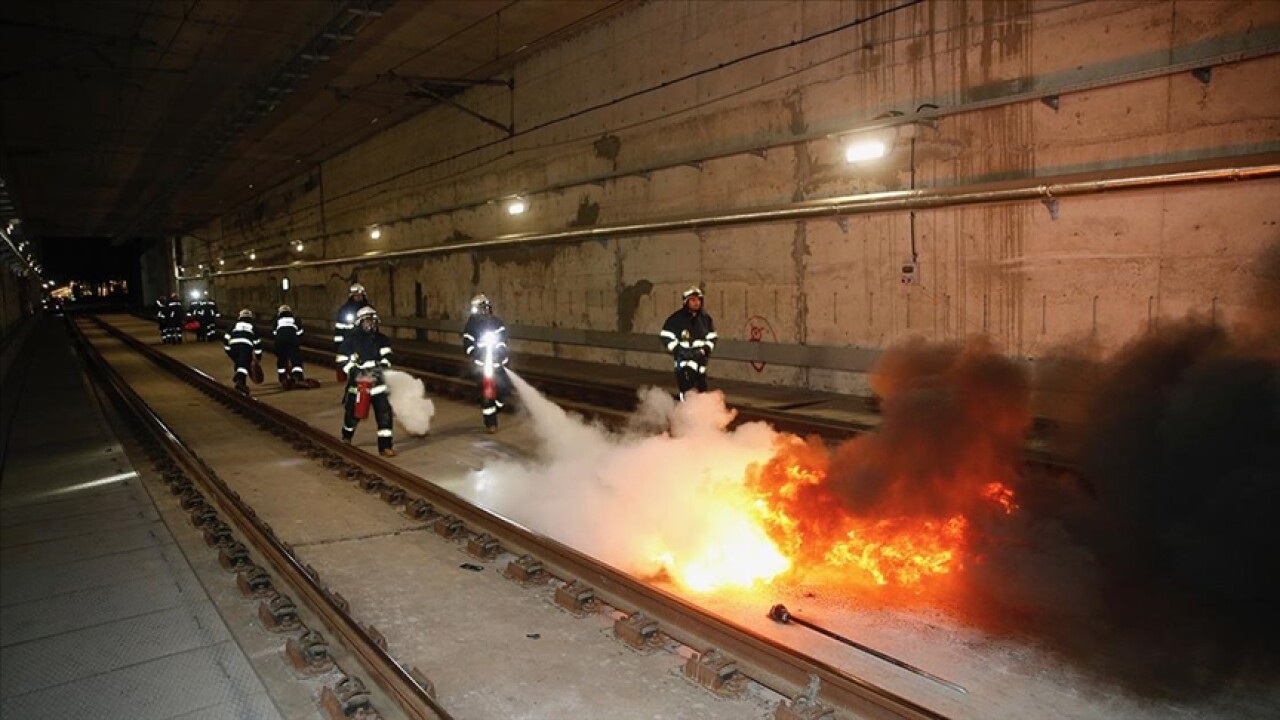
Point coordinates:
[(409, 402), (664, 493)]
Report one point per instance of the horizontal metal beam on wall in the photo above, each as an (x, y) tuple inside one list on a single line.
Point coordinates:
[(1232, 169)]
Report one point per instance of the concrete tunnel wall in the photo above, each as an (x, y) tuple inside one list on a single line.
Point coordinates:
[(1107, 269)]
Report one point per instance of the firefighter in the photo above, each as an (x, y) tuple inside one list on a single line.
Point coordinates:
[(195, 313), (244, 347), (690, 336), (209, 318), (162, 310), (170, 317), (364, 354), (346, 319), (485, 341), (288, 334)]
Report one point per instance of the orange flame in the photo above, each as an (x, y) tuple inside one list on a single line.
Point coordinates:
[(887, 551), (1001, 495), (897, 508), (730, 548)]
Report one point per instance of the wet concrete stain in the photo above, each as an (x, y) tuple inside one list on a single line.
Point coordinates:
[(588, 213), (608, 147), (629, 302)]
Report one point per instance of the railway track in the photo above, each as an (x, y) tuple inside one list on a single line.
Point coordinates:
[(725, 654), (203, 494)]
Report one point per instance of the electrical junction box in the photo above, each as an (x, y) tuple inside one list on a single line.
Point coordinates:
[(910, 273)]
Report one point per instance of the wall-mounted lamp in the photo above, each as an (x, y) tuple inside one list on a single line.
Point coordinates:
[(298, 247), (517, 205), (875, 143), (858, 150), (195, 294), (284, 284), (221, 261), (375, 232), (253, 255)]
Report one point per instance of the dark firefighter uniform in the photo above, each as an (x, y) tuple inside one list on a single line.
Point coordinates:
[(243, 346), (195, 312), (208, 319), (288, 336), (162, 305), (485, 333), (690, 336), (170, 318), (345, 321), (365, 352)]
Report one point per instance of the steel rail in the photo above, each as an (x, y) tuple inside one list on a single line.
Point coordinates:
[(771, 663), (387, 672)]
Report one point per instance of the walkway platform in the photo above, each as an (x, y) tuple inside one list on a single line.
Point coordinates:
[(101, 615)]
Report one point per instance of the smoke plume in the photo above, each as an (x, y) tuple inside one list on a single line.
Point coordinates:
[(1145, 552), (652, 504), (413, 409)]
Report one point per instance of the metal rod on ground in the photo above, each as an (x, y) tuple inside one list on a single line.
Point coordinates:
[(780, 614)]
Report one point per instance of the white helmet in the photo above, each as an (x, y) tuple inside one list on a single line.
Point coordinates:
[(244, 314), (356, 289), (692, 291), (480, 303), (366, 312), (283, 309)]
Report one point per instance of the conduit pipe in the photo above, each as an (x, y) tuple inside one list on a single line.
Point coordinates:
[(1251, 167)]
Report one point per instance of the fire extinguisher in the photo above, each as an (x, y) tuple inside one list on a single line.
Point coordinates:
[(488, 382), (364, 396)]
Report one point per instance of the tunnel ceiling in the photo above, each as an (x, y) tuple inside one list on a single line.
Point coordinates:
[(134, 118)]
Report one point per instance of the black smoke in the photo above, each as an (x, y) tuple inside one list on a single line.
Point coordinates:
[(1155, 561)]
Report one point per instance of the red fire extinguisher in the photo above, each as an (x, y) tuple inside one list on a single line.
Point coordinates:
[(488, 382), (364, 396)]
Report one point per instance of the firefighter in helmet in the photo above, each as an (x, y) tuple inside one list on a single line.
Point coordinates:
[(288, 335), (244, 347), (345, 322), (170, 317), (195, 315), (690, 336), (209, 318), (485, 341), (364, 354), (162, 305)]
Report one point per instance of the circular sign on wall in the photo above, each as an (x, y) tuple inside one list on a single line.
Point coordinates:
[(758, 329)]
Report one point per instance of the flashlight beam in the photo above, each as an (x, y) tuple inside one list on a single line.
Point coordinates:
[(780, 614)]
